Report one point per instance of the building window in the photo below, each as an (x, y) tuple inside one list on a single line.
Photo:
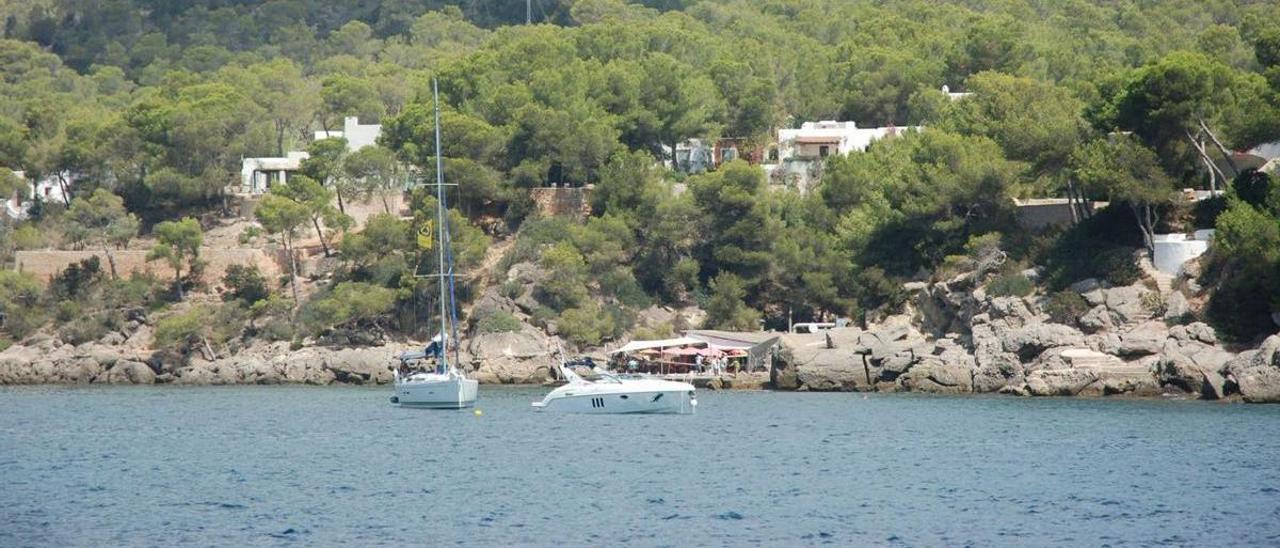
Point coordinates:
[(823, 151)]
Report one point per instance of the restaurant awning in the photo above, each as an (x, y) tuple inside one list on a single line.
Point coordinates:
[(661, 343)]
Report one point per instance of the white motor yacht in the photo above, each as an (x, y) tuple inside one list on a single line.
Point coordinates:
[(608, 393)]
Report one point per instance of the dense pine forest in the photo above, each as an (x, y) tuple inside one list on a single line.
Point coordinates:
[(147, 107)]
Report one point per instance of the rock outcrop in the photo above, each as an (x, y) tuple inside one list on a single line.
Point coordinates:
[(961, 340)]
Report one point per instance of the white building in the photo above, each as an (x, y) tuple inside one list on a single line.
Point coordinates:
[(51, 188), (797, 161), (258, 174), (357, 135), (954, 95), (1174, 250)]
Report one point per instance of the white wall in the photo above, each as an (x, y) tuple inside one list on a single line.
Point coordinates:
[(1174, 250)]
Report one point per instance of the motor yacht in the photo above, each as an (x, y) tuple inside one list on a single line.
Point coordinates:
[(605, 392)]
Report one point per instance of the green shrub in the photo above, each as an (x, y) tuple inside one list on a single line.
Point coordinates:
[(1066, 307), (66, 311), (496, 321), (20, 310), (586, 326), (180, 331), (660, 331), (83, 329), (28, 236), (1116, 265), (512, 290), (1010, 284), (77, 279), (245, 283), (198, 327), (349, 304)]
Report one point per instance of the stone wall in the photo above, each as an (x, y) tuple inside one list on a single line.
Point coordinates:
[(568, 201), (45, 264)]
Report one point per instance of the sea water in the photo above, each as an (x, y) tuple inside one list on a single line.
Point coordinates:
[(264, 466)]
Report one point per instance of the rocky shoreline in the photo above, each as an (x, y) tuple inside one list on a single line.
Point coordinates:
[(954, 339)]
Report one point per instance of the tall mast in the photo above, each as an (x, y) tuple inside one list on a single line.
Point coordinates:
[(528, 12), (440, 213)]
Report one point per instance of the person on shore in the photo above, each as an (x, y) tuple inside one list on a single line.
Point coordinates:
[(697, 363)]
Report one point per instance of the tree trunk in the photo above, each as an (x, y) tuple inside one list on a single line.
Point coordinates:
[(293, 273), (385, 206), (280, 127), (1226, 155), (177, 278), (1144, 216), (342, 208), (66, 190), (1204, 154), (323, 244), (1073, 203), (111, 261), (210, 354), (1213, 178)]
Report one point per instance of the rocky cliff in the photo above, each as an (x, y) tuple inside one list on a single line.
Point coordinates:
[(957, 339)]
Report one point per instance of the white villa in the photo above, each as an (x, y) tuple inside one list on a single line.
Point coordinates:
[(47, 189), (258, 174), (357, 135), (800, 152)]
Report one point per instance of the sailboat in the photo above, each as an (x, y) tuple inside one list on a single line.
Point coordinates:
[(444, 386)]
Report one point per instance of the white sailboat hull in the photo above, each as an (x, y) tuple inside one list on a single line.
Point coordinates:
[(432, 391)]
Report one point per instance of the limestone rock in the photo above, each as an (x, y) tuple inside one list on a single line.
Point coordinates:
[(1096, 319), (1144, 340), (130, 372), (517, 357), (1086, 285), (933, 374), (1127, 302), (1061, 382), (1260, 384), (1176, 306), (1030, 341)]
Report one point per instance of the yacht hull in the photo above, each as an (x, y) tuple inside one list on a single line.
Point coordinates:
[(659, 402), (444, 393)]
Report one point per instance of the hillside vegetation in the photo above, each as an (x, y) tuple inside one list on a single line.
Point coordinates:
[(149, 106)]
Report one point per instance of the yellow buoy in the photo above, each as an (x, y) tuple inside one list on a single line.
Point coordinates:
[(478, 412)]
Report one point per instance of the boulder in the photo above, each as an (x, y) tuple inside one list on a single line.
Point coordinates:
[(1062, 382), (1096, 319), (361, 365), (1032, 340), (1013, 310), (845, 367), (1095, 297), (1144, 340), (933, 374), (1127, 302), (510, 357), (1260, 384), (1176, 306), (1257, 372), (1086, 285), (130, 372), (75, 370)]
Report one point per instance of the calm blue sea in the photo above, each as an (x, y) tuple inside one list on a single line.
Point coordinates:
[(298, 466)]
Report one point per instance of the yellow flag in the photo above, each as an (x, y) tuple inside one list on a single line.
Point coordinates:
[(424, 235)]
